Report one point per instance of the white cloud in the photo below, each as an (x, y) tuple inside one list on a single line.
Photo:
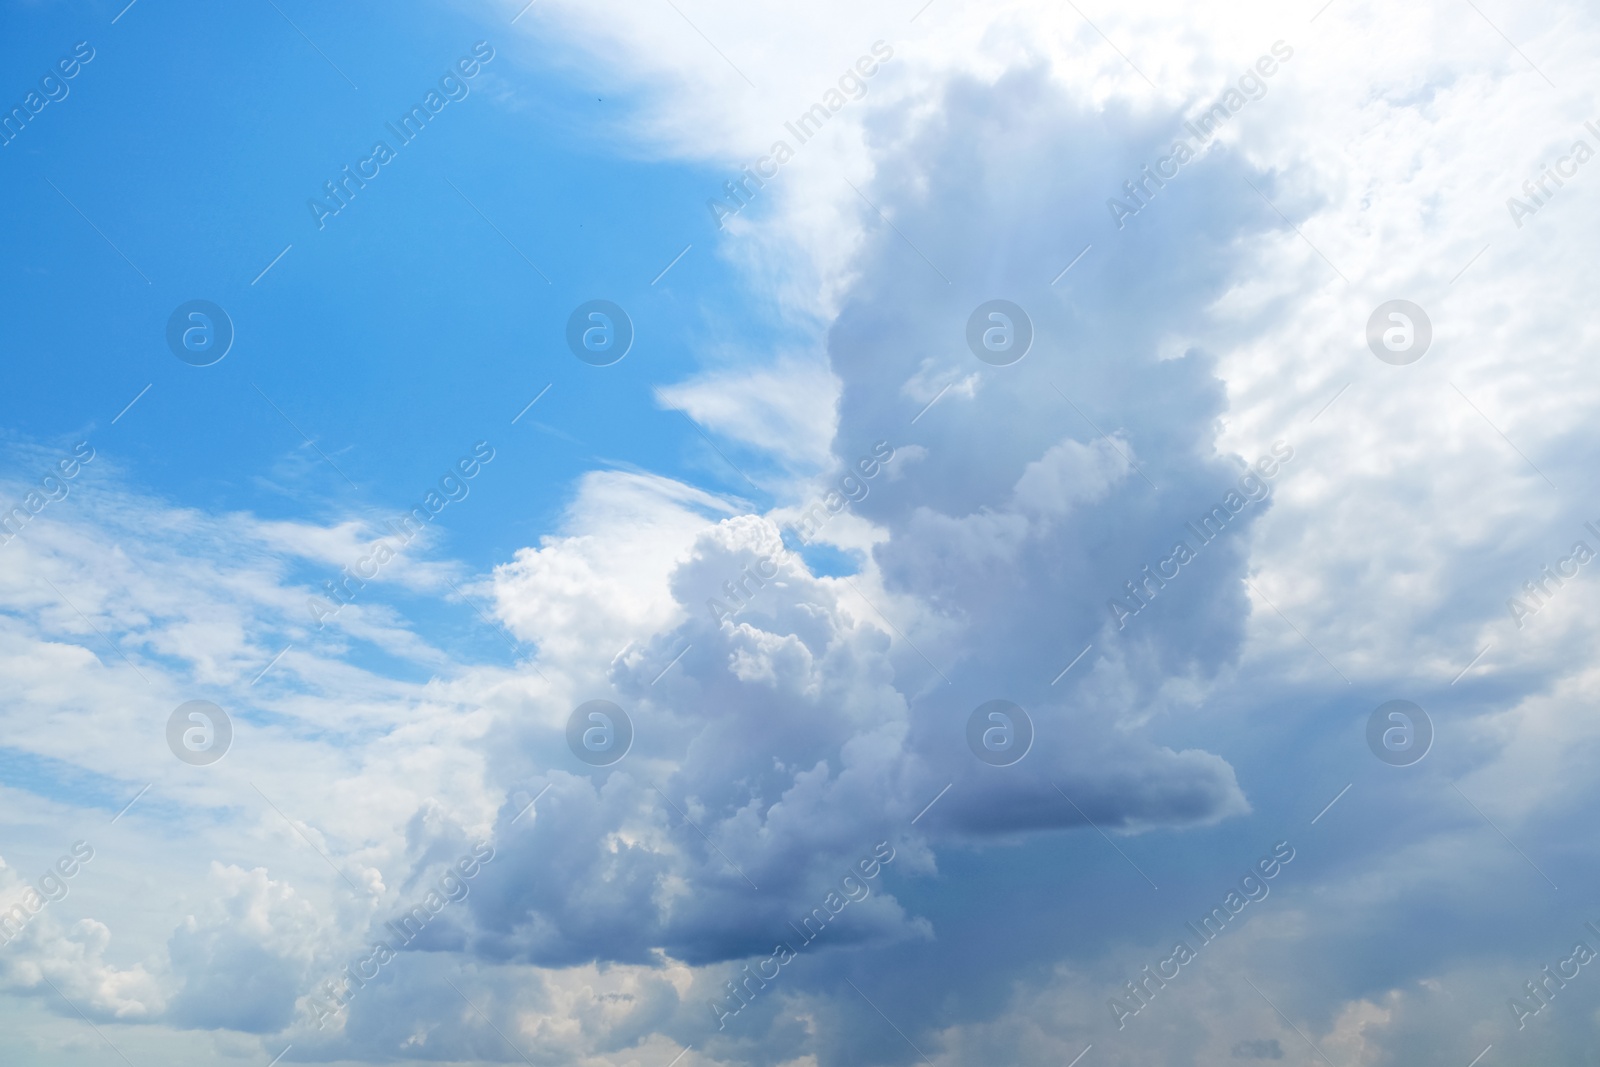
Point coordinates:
[(773, 748)]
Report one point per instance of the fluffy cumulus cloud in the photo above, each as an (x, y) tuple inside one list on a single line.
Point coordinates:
[(1196, 533)]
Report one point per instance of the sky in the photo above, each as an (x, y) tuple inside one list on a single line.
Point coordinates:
[(724, 535)]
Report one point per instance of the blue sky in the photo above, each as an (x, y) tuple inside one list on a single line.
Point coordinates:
[(398, 334), (798, 537)]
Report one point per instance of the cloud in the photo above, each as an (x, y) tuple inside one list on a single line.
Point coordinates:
[(601, 583), (778, 744), (784, 410), (246, 964)]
